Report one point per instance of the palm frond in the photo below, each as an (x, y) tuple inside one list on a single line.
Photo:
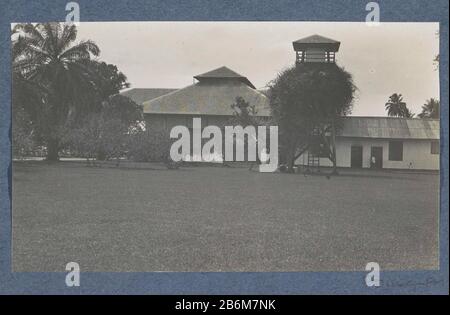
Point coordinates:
[(69, 34), (49, 33), (81, 51)]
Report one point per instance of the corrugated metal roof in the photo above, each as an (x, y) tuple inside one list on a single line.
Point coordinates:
[(139, 95), (208, 98), (215, 98), (390, 128)]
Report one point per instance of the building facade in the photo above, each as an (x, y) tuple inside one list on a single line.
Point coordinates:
[(361, 142), (385, 142)]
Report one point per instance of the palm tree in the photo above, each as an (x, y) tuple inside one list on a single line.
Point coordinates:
[(395, 105), (407, 113), (431, 109), (45, 58)]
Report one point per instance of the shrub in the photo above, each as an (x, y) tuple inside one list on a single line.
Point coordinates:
[(23, 143), (98, 138), (149, 146)]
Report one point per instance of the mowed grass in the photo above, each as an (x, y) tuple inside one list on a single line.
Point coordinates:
[(220, 219)]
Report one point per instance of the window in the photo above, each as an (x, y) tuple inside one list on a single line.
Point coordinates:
[(435, 147), (395, 151)]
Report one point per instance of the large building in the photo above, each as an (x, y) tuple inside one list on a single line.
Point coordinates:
[(362, 142), (210, 98)]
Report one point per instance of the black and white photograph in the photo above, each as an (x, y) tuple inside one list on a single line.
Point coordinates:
[(225, 146)]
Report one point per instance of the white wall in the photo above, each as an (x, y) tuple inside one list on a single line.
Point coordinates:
[(416, 152)]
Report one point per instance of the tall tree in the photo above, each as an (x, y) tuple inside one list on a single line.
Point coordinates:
[(396, 107), (306, 98), (431, 109), (47, 56)]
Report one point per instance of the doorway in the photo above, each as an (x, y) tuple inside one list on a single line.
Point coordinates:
[(376, 157), (356, 156)]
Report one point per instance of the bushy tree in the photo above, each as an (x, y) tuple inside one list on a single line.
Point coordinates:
[(98, 136), (112, 80), (123, 108), (105, 134), (306, 98)]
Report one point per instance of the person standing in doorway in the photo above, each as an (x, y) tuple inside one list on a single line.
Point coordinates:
[(373, 161)]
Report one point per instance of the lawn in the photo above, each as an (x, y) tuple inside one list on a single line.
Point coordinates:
[(220, 219)]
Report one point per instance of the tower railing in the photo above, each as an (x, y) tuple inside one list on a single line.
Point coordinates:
[(315, 56)]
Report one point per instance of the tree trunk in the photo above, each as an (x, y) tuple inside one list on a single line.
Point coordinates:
[(52, 150), (291, 164), (333, 146), (291, 155)]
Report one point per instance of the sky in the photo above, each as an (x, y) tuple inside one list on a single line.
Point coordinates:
[(384, 59)]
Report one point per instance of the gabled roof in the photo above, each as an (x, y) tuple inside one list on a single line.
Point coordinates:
[(139, 95), (316, 41), (390, 128), (208, 98), (223, 73)]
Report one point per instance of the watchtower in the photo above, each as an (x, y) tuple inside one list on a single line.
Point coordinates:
[(315, 48), (319, 50)]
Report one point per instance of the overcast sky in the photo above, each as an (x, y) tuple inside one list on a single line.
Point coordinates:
[(385, 59)]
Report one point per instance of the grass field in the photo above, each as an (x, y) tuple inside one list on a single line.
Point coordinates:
[(220, 219)]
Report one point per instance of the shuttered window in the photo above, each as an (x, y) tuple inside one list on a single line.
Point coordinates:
[(395, 151), (435, 148)]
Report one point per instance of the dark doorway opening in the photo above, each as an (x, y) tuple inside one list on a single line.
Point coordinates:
[(356, 156), (376, 157)]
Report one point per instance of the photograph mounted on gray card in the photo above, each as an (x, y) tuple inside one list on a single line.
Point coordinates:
[(225, 146)]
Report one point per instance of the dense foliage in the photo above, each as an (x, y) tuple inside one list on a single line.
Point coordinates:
[(306, 97), (57, 82), (105, 134), (149, 146)]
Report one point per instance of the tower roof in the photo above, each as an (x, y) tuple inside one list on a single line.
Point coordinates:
[(316, 41), (223, 73)]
